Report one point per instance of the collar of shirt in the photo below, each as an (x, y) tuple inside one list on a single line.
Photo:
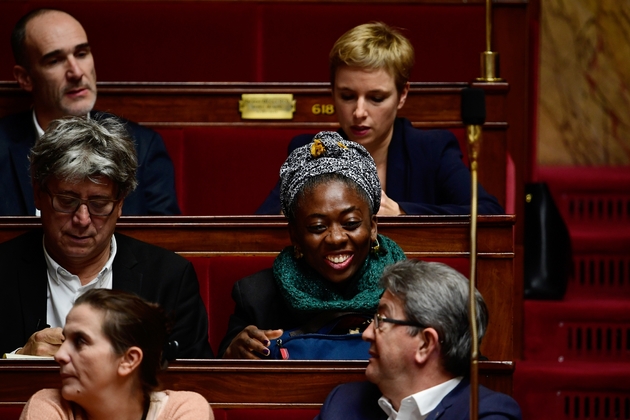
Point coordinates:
[(64, 287), (38, 128), (418, 406)]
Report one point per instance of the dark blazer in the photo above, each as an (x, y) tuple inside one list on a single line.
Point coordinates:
[(154, 273), (155, 194), (359, 401), (425, 174), (258, 302)]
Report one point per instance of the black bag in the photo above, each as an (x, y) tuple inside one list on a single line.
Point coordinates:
[(330, 336), (548, 258)]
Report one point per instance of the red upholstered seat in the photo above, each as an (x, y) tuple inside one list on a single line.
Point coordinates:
[(10, 412), (230, 170), (256, 41), (216, 276), (226, 171)]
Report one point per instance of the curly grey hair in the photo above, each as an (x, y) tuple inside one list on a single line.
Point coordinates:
[(79, 148), (436, 295)]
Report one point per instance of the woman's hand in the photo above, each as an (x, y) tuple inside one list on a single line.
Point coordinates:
[(250, 343), (389, 207)]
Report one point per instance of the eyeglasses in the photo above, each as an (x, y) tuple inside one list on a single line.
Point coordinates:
[(380, 319), (68, 204)]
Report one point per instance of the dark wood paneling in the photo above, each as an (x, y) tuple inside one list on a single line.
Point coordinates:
[(428, 237), (234, 383), (429, 105)]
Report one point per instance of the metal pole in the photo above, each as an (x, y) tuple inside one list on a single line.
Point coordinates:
[(474, 143)]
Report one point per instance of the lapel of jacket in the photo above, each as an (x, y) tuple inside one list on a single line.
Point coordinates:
[(451, 398), (33, 284), (125, 277), (19, 150), (396, 162)]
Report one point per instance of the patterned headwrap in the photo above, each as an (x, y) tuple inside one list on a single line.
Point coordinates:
[(329, 153)]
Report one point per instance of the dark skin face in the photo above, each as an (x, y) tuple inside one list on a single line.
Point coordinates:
[(333, 229)]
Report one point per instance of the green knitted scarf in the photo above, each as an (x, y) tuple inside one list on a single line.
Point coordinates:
[(306, 290)]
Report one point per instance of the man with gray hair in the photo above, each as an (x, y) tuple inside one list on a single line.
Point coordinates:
[(420, 348), (54, 63), (82, 170)]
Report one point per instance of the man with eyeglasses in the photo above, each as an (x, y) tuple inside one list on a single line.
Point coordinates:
[(419, 352), (82, 169)]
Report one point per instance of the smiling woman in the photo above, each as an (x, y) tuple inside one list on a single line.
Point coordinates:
[(330, 194), (109, 359)]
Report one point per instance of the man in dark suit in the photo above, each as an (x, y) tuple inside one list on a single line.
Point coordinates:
[(54, 63), (419, 352), (82, 170)]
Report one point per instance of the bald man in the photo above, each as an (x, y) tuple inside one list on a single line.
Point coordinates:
[(54, 63)]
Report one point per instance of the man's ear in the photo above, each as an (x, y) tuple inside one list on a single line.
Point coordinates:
[(428, 345), (118, 209), (130, 361), (23, 78), (37, 195)]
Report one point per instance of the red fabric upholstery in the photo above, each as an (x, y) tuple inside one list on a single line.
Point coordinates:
[(226, 171), (216, 276), (9, 412), (437, 32), (577, 331), (229, 170), (577, 391), (255, 41)]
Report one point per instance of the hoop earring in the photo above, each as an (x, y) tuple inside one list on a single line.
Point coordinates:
[(376, 247), (297, 254)]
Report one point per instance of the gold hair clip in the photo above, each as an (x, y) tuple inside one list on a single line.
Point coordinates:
[(317, 148)]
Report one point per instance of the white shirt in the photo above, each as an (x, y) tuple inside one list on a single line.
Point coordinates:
[(64, 288), (419, 405), (40, 130)]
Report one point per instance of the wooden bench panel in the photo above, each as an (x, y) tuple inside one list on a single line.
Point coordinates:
[(204, 132), (233, 384), (430, 237)]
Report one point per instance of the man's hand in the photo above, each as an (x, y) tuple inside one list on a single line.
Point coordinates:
[(389, 207), (251, 342), (45, 342)]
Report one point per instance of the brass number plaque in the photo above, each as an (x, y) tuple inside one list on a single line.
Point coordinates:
[(267, 106)]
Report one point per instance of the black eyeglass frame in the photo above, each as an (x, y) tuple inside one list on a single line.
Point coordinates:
[(379, 319), (80, 202)]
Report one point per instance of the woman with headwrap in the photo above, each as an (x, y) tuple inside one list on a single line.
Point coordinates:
[(421, 171), (330, 194)]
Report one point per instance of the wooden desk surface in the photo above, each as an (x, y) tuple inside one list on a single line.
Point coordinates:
[(234, 383)]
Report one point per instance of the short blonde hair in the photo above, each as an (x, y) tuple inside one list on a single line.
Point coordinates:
[(374, 46)]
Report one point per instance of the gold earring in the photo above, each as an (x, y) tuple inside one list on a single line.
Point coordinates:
[(296, 253), (376, 247)]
